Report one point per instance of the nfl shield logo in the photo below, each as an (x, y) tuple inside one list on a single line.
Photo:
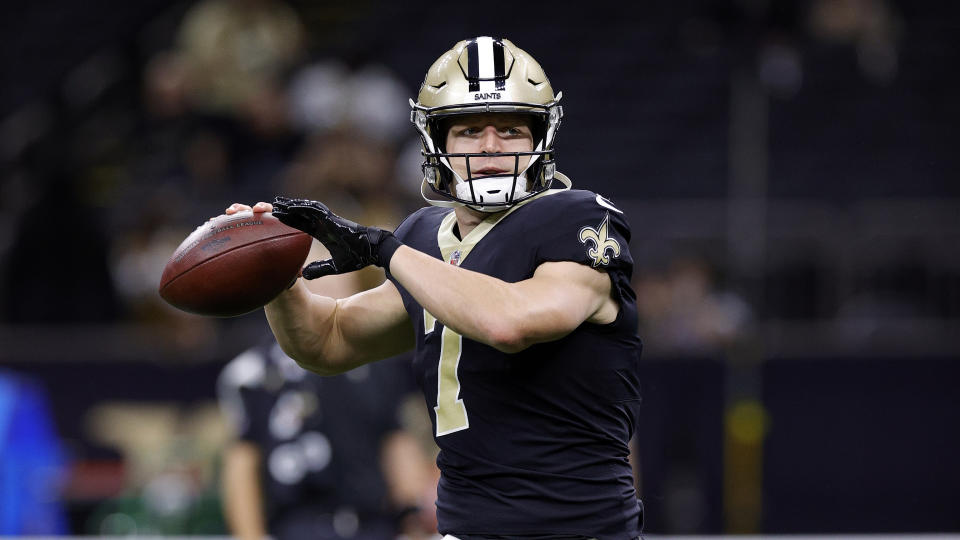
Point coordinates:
[(455, 258)]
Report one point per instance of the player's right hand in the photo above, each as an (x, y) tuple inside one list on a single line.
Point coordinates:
[(240, 207)]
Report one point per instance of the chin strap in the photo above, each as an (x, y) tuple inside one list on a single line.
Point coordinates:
[(426, 191)]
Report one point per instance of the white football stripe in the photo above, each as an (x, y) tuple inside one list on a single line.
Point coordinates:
[(485, 53), (485, 63)]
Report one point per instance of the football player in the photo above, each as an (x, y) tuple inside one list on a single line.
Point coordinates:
[(514, 292), (299, 467)]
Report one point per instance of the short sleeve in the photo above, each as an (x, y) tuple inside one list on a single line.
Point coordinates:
[(588, 229), (235, 385)]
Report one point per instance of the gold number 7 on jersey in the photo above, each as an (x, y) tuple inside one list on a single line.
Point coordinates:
[(450, 411)]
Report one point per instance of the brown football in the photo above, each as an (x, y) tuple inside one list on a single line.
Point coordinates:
[(232, 265)]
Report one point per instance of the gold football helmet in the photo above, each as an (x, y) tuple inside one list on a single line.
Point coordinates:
[(485, 75)]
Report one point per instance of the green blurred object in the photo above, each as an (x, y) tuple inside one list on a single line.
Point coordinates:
[(166, 514)]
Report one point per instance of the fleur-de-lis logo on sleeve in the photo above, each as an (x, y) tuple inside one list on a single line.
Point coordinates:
[(602, 243)]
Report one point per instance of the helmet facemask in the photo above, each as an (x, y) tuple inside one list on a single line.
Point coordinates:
[(458, 86)]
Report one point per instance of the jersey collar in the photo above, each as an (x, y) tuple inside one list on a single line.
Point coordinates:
[(455, 250)]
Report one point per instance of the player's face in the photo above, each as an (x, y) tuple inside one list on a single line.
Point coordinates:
[(489, 134)]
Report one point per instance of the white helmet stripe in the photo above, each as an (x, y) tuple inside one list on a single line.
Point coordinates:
[(485, 63)]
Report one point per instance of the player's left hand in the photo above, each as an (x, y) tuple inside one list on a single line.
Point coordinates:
[(352, 246)]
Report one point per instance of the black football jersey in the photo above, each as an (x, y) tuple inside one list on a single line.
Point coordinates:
[(533, 443), (320, 437)]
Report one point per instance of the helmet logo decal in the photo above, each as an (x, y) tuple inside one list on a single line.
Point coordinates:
[(601, 241), (486, 95)]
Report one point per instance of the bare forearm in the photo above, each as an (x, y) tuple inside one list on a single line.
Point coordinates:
[(332, 336), (405, 469), (242, 498), (504, 315), (301, 322)]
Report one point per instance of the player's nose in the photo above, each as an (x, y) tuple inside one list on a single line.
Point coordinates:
[(490, 140)]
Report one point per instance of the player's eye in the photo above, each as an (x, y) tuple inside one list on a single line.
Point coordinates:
[(513, 131)]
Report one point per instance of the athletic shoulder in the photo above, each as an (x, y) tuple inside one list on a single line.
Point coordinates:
[(576, 203), (246, 370), (245, 373), (580, 226)]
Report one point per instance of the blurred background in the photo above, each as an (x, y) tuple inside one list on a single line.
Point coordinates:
[(789, 168)]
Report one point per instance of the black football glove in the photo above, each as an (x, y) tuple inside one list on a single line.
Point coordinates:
[(352, 246)]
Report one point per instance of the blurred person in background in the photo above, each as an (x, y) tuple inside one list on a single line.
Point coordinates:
[(528, 356), (317, 457), (234, 50), (330, 129), (353, 120), (214, 104), (236, 56), (322, 457)]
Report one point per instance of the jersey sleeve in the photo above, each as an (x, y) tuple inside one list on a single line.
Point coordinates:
[(586, 228), (236, 384)]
